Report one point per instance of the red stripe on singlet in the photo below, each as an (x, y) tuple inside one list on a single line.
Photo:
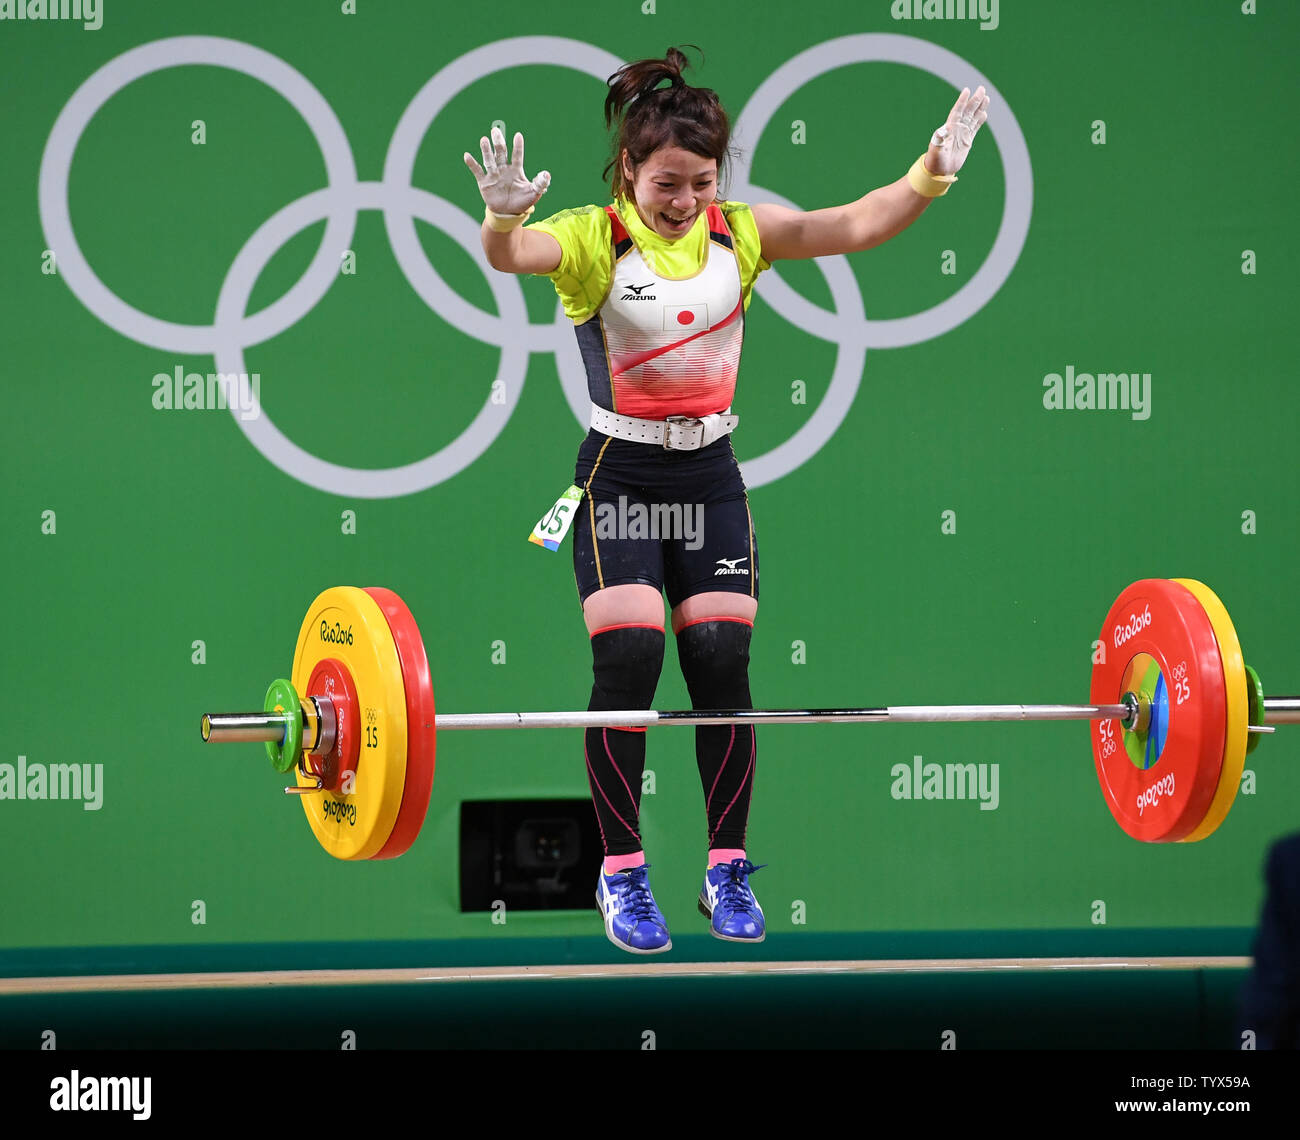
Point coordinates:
[(627, 361)]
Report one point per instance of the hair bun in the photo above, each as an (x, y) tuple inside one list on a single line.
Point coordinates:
[(646, 114)]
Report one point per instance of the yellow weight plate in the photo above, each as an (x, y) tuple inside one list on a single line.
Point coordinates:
[(1234, 678), (346, 623)]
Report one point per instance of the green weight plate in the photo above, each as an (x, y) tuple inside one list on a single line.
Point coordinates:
[(1255, 695), (281, 697)]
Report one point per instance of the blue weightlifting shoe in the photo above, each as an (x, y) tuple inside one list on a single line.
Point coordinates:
[(632, 919), (728, 902)]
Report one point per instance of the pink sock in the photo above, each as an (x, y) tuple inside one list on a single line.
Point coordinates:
[(724, 855), (616, 863)]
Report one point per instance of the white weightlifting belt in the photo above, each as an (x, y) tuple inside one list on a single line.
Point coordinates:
[(676, 433)]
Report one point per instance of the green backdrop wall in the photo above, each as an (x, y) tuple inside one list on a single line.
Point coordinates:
[(1127, 209)]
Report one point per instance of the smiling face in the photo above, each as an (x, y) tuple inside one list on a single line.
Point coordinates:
[(671, 189)]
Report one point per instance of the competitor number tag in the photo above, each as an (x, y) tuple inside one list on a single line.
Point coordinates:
[(554, 525)]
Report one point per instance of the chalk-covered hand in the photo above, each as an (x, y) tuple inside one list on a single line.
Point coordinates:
[(951, 143), (504, 186)]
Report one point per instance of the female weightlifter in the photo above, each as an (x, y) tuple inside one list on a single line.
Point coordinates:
[(657, 284)]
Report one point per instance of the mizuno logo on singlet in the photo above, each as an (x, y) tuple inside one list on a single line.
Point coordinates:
[(635, 293), (730, 566)]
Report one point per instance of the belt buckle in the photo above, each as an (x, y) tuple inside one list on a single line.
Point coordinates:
[(681, 421)]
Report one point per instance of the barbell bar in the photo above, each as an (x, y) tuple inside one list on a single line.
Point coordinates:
[(1169, 743), (230, 728), (224, 728)]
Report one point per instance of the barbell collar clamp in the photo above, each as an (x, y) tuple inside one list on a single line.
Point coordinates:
[(319, 727), (1138, 718)]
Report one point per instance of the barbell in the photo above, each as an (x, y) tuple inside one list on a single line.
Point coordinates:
[(1174, 711)]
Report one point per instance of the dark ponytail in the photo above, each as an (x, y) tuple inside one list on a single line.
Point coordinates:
[(649, 116)]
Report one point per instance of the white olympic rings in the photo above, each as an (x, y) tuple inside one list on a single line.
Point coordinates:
[(234, 329)]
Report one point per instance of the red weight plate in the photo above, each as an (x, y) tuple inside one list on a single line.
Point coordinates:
[(420, 731), (330, 678), (1167, 801)]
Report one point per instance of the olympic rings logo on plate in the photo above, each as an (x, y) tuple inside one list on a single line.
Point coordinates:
[(234, 329)]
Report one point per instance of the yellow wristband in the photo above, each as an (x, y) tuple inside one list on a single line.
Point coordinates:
[(926, 184), (504, 223)]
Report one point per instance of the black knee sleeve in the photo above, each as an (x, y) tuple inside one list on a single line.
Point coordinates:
[(626, 661), (714, 657)]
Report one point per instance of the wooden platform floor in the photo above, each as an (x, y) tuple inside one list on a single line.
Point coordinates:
[(108, 983)]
